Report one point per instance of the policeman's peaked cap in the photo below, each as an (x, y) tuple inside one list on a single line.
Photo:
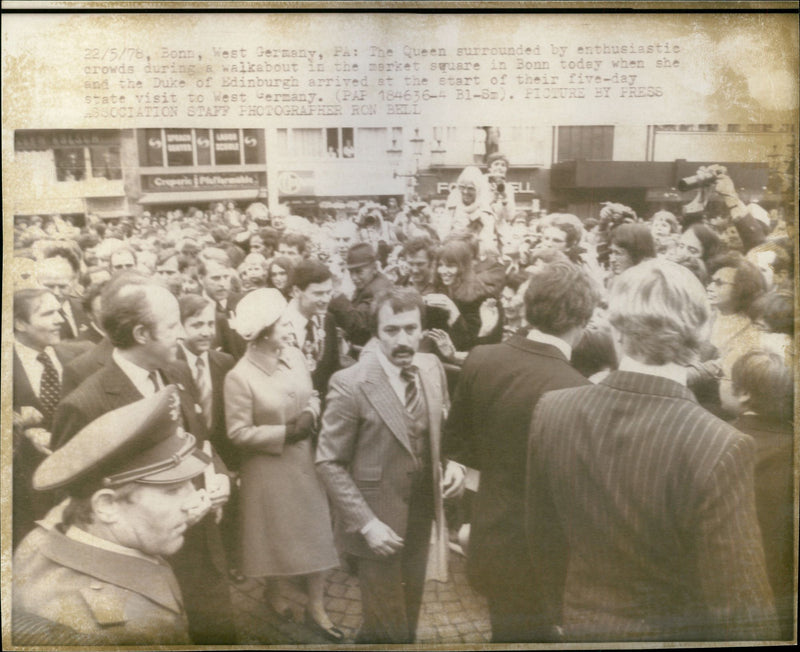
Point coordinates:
[(140, 442)]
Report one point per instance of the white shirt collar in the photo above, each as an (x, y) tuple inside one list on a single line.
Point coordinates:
[(298, 321), (29, 353), (391, 369), (535, 335), (139, 376), (83, 536), (393, 373), (191, 358), (669, 371)]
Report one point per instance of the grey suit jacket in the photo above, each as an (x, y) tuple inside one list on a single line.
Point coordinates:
[(364, 455), (641, 516)]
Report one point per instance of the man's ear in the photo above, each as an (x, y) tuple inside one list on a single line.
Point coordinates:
[(141, 334), (20, 324), (743, 398), (105, 506), (295, 291)]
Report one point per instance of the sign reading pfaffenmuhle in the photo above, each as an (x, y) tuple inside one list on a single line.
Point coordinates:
[(201, 181)]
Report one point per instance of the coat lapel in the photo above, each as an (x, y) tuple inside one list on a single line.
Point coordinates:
[(23, 390), (115, 382), (380, 394)]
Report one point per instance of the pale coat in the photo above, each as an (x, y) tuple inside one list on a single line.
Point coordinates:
[(285, 519)]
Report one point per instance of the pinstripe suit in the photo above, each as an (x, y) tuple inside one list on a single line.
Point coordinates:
[(640, 517), (365, 459)]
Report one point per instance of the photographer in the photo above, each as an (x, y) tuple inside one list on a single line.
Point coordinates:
[(751, 221), (502, 193)]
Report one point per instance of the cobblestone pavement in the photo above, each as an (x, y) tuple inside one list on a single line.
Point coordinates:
[(451, 612)]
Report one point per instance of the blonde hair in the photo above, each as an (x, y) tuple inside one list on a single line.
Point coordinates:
[(661, 311)]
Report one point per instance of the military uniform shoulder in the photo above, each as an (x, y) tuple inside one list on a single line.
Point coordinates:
[(106, 602)]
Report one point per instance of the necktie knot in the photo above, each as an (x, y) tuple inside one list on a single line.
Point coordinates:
[(409, 374)]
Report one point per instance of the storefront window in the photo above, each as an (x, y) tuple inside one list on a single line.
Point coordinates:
[(348, 150), (179, 147), (154, 148), (70, 164), (332, 142), (227, 149), (201, 147), (105, 162), (253, 146)]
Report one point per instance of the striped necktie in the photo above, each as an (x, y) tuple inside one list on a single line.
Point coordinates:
[(204, 388), (413, 397)]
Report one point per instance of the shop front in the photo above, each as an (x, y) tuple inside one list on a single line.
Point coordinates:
[(304, 188), (184, 167), (581, 186), (72, 172), (199, 189), (529, 184)]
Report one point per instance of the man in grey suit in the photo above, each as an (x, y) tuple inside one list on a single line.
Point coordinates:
[(640, 512), (379, 456)]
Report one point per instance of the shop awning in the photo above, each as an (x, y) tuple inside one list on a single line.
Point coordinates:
[(111, 215), (197, 196)]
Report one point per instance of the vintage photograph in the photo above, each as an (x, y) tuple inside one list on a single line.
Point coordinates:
[(388, 328)]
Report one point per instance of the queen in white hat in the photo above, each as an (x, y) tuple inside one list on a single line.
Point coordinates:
[(272, 412)]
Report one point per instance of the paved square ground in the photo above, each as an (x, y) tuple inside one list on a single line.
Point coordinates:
[(451, 611)]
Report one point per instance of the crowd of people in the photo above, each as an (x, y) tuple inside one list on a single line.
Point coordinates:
[(205, 396)]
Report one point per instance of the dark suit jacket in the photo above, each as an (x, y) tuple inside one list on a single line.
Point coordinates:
[(226, 338), (365, 457), (219, 364), (487, 430), (84, 365), (353, 315), (81, 321), (30, 505), (109, 388), (332, 358), (91, 334), (24, 394), (641, 516), (775, 507)]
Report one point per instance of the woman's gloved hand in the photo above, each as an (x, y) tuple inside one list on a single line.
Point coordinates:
[(300, 427)]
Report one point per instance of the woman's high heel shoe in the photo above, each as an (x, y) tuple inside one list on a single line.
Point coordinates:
[(333, 634)]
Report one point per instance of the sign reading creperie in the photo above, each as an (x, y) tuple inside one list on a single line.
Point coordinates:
[(202, 181)]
